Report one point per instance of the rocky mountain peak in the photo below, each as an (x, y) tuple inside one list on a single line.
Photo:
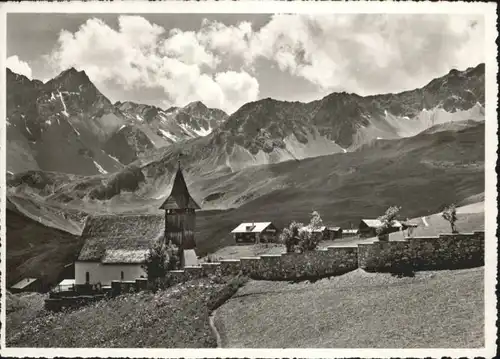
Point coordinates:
[(195, 107)]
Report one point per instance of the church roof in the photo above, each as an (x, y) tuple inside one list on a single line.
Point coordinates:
[(179, 196), (120, 238)]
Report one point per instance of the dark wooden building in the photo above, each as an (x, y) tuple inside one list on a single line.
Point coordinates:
[(368, 227), (27, 285), (180, 216), (333, 232), (255, 232)]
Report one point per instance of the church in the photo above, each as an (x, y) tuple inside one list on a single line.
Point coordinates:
[(115, 246)]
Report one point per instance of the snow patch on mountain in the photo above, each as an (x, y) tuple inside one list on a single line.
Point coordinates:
[(99, 168), (73, 127), (203, 132), (428, 118), (316, 145), (114, 158), (168, 135), (65, 111)]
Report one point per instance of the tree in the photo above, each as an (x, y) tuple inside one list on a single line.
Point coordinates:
[(450, 214), (290, 236), (297, 238), (387, 221), (307, 241), (159, 260), (316, 221)]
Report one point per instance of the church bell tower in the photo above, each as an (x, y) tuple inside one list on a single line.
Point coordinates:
[(180, 216)]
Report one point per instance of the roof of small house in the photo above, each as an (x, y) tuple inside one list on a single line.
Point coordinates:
[(333, 228), (24, 283), (313, 230), (350, 230), (179, 197), (67, 282), (375, 223), (251, 227), (409, 224), (120, 238)]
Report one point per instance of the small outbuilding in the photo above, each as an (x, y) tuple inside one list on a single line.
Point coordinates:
[(26, 285), (333, 232), (65, 286), (255, 232), (368, 227)]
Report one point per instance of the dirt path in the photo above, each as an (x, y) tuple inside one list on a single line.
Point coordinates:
[(214, 328)]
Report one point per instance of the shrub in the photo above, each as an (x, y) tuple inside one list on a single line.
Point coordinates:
[(308, 241), (159, 260), (290, 236), (450, 214), (316, 220), (387, 220)]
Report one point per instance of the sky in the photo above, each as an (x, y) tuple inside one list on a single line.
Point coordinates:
[(227, 60)]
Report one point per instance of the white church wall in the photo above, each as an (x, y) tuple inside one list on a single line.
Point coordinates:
[(105, 273)]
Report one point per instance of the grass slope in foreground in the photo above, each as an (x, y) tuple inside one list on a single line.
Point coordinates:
[(438, 309), (177, 317)]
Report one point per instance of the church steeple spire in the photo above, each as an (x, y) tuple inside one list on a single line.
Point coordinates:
[(179, 198), (180, 216)]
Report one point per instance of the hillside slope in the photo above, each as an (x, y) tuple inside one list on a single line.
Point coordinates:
[(37, 251), (431, 310)]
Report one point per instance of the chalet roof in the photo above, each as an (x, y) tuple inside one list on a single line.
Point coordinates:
[(314, 230), (251, 227), (350, 230), (24, 283), (179, 197), (333, 228), (409, 224), (67, 282), (376, 223), (120, 238)]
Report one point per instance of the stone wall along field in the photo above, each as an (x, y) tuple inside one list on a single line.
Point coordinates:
[(447, 251)]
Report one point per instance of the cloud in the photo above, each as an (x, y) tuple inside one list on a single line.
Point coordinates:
[(366, 54), (19, 67), (142, 55), (361, 53)]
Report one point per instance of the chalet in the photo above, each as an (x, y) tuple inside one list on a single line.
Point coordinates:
[(368, 227), (255, 232), (333, 232), (26, 285), (116, 246)]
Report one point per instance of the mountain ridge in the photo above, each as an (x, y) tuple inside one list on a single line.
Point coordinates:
[(67, 125)]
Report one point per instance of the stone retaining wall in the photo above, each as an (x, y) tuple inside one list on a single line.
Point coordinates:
[(447, 251)]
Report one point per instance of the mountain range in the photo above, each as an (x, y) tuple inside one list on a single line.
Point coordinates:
[(67, 125)]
